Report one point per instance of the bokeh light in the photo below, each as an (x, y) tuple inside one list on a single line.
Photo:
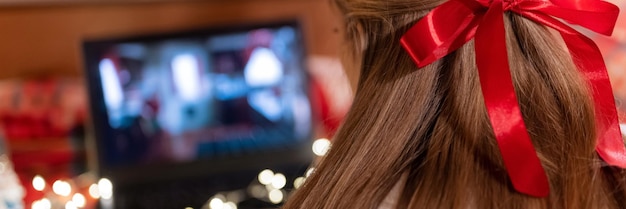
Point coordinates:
[(321, 146), (298, 182), (279, 181), (62, 188), (265, 176), (275, 196), (94, 191), (79, 200), (39, 183), (105, 188)]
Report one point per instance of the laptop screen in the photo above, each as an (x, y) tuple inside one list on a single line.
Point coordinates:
[(202, 95)]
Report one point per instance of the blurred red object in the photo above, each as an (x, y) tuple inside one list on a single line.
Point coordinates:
[(331, 92), (37, 117), (43, 108)]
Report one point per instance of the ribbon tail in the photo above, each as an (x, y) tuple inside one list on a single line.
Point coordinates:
[(589, 60), (518, 153), (610, 145)]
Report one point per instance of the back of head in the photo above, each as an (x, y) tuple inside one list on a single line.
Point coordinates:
[(431, 126)]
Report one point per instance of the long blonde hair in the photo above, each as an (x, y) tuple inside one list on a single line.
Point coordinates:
[(431, 125)]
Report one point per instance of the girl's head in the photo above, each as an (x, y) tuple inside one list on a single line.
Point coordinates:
[(431, 125)]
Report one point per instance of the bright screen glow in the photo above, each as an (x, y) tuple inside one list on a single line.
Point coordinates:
[(113, 95), (263, 69), (185, 68)]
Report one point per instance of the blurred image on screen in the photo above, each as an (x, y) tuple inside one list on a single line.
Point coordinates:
[(186, 98)]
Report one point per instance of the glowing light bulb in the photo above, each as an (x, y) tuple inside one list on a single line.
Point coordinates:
[(79, 200), (45, 203), (105, 188), (70, 205), (62, 188), (39, 183), (41, 204), (279, 181), (265, 177), (276, 196), (298, 182), (321, 146), (94, 191), (216, 203), (36, 205)]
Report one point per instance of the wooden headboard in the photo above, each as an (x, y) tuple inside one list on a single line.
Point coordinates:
[(45, 40)]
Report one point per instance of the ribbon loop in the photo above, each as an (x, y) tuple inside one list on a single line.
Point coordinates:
[(443, 38), (595, 15), (455, 22)]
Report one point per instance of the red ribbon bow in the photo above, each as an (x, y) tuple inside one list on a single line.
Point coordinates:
[(455, 22)]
